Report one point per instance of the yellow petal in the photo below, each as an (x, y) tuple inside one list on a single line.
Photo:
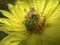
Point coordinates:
[(9, 15), (54, 16), (12, 40), (50, 6), (51, 35), (9, 22), (20, 8), (13, 11), (5, 21)]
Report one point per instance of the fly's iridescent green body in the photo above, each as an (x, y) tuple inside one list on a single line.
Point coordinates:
[(31, 22)]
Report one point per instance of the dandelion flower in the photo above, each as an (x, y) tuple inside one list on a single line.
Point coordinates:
[(31, 22)]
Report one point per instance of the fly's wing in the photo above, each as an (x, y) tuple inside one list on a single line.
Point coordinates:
[(30, 13)]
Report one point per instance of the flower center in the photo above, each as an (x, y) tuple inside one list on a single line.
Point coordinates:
[(32, 22)]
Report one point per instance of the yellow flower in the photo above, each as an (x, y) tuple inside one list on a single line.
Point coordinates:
[(31, 22)]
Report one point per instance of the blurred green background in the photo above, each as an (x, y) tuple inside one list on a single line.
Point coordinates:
[(3, 5)]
